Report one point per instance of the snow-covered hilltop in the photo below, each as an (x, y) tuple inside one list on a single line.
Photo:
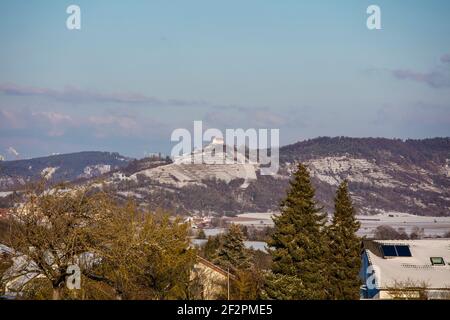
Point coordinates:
[(215, 161), (385, 175)]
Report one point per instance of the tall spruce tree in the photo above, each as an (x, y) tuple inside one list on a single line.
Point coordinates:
[(232, 253), (298, 245), (232, 256), (344, 256)]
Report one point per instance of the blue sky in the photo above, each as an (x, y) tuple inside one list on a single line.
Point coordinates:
[(139, 69)]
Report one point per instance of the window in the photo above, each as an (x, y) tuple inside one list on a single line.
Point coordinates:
[(396, 250), (403, 251), (388, 251), (437, 261)]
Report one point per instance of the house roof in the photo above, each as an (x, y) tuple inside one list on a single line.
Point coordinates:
[(4, 213), (214, 267), (417, 268), (5, 250)]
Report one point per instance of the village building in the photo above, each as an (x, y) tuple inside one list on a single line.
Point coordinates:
[(4, 213), (405, 269), (213, 280)]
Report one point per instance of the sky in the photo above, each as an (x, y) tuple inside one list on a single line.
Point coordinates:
[(139, 69)]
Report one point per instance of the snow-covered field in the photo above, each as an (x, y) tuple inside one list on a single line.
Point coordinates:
[(259, 220), (213, 231), (5, 194), (255, 245), (433, 226)]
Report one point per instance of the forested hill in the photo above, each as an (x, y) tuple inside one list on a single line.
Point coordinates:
[(385, 175), (379, 149), (411, 176), (63, 167)]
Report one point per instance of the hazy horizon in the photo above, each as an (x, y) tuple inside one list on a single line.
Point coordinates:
[(167, 151), (137, 71)]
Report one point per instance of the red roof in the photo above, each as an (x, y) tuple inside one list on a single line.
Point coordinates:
[(214, 267), (4, 213)]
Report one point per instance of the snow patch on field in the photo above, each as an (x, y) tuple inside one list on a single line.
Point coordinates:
[(333, 170), (446, 168), (429, 187), (95, 170), (48, 173), (5, 194), (419, 203), (181, 175), (130, 194)]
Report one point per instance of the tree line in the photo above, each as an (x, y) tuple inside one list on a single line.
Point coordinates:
[(125, 252), (308, 259), (122, 251)]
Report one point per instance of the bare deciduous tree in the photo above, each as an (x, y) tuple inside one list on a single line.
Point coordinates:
[(144, 255), (409, 290), (48, 234), (118, 248)]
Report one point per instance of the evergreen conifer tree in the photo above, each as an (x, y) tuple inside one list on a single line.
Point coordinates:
[(298, 245), (232, 254), (211, 247), (344, 256), (247, 279)]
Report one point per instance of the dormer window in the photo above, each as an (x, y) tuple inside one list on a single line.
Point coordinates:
[(388, 251), (403, 251), (437, 261), (395, 251)]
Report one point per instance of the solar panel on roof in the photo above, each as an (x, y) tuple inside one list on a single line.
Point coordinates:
[(403, 251), (388, 251)]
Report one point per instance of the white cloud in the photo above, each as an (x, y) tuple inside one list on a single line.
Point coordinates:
[(13, 152), (53, 117), (77, 95)]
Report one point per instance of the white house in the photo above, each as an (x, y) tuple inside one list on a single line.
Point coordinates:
[(213, 279), (405, 269)]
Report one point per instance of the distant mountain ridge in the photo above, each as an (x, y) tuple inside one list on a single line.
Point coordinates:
[(410, 176), (416, 151), (385, 175), (58, 168)]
